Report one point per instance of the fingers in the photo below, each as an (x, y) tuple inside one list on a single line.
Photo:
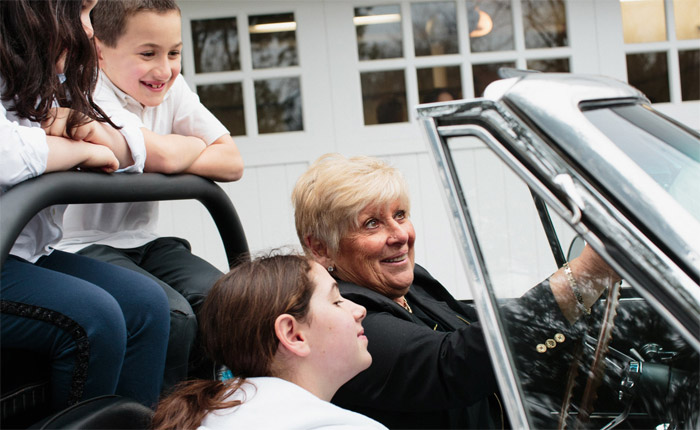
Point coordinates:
[(85, 132), (100, 158), (57, 122)]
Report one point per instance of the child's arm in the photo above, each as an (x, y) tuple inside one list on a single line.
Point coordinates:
[(170, 153), (220, 161), (64, 154), (26, 152), (92, 132)]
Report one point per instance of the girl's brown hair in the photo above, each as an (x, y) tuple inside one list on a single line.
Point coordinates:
[(33, 37), (237, 326)]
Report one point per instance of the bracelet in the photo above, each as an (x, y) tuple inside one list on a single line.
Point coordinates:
[(575, 289)]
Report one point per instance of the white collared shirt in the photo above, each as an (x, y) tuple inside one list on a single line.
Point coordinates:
[(128, 225), (273, 403), (24, 155)]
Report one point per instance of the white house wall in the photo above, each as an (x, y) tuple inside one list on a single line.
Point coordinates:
[(332, 106)]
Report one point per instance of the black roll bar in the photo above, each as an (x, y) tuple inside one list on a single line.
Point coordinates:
[(21, 202)]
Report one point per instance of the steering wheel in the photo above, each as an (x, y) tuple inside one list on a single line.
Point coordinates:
[(595, 376)]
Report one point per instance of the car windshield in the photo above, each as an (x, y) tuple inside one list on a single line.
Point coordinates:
[(644, 372), (670, 155), (510, 228)]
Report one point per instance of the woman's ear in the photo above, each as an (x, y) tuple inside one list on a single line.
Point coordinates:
[(291, 335), (319, 251)]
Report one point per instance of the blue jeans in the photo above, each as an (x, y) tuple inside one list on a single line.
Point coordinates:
[(186, 280), (104, 328)]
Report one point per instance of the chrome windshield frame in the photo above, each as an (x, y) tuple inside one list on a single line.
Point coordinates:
[(549, 173)]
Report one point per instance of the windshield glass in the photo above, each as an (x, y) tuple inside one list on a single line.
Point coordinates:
[(620, 364), (669, 154)]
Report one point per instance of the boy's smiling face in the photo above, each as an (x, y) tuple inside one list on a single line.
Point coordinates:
[(146, 59)]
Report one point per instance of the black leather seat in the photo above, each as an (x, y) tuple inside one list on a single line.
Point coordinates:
[(105, 412)]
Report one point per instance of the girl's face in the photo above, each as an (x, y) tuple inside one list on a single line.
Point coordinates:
[(336, 337), (87, 7)]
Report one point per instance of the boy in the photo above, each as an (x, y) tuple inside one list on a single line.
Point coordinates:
[(138, 45)]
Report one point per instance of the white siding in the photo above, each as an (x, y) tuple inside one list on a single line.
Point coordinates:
[(333, 122)]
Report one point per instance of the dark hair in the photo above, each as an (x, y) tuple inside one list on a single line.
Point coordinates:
[(109, 18), (237, 326), (33, 37)]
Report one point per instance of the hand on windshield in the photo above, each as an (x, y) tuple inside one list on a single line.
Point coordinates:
[(579, 284)]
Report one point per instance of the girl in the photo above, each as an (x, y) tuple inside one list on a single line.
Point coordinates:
[(103, 328), (280, 325)]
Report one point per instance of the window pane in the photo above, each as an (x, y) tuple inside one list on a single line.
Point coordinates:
[(687, 14), (558, 65), (434, 28), (490, 25), (225, 101), (484, 74), (643, 21), (378, 32), (384, 97), (648, 72), (544, 23), (215, 45), (278, 105), (439, 84), (273, 40), (689, 62)]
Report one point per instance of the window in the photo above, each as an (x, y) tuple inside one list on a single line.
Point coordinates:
[(662, 50), (453, 49), (268, 71)]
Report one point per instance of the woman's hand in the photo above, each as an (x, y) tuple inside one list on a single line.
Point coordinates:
[(591, 275)]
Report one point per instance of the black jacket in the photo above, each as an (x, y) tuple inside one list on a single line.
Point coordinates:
[(434, 371)]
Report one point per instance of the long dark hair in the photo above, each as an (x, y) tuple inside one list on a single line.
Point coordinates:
[(33, 37), (237, 326)]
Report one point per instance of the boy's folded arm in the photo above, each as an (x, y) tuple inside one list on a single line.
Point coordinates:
[(220, 161), (170, 153)]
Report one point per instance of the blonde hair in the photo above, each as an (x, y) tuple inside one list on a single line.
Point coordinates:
[(330, 195)]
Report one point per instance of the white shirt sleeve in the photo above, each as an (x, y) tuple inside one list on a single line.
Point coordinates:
[(191, 117), (130, 124), (23, 150)]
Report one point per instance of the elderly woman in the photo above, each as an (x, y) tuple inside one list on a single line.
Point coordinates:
[(431, 367)]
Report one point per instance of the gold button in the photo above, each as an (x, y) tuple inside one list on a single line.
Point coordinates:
[(559, 337), (541, 348), (550, 343)]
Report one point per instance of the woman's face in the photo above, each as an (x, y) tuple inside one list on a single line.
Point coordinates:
[(335, 334), (379, 254)]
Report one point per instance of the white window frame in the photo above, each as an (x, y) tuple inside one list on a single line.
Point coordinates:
[(270, 148)]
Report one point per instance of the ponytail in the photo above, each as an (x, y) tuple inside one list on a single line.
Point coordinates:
[(191, 401)]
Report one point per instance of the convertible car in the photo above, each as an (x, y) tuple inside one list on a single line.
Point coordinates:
[(540, 165)]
